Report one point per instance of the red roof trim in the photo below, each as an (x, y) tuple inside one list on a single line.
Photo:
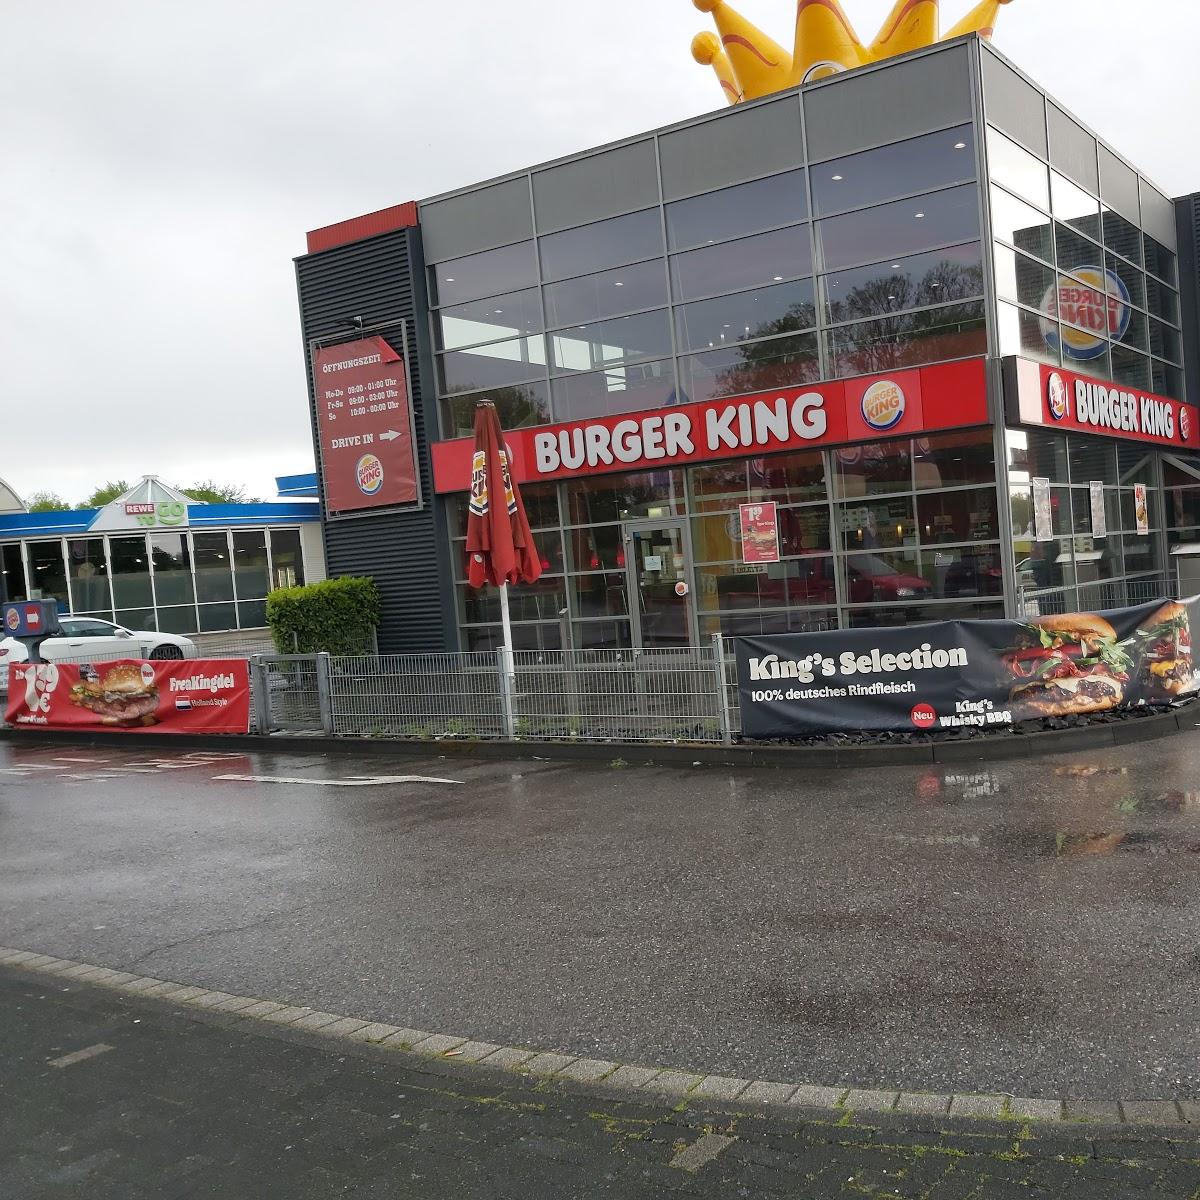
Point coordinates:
[(399, 216)]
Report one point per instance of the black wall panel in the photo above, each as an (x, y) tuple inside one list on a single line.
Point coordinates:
[(382, 281), (1187, 214)]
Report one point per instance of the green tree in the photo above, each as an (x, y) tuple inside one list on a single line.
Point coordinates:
[(106, 494), (47, 502), (207, 491)]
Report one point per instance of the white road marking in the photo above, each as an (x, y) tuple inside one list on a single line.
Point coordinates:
[(369, 781), (90, 761), (68, 1060), (692, 1158)]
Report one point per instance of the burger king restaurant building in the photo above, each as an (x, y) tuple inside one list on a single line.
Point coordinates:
[(903, 344)]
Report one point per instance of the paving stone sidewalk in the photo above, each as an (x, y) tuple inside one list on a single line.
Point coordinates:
[(168, 1104)]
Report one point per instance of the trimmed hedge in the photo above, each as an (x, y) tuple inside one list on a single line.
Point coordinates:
[(337, 615)]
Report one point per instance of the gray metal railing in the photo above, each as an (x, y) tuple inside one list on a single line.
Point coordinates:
[(1097, 596)]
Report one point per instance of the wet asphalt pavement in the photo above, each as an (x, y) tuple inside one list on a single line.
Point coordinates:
[(130, 1099), (1030, 927)]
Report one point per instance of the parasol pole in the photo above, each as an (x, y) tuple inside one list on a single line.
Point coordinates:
[(506, 624)]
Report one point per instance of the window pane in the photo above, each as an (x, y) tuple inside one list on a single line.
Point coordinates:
[(1025, 280), (130, 574), (615, 390), (887, 578), (802, 531), (89, 575), (541, 507), (591, 297), (953, 459), (897, 170), (1166, 380), (47, 572), (1135, 326), (800, 583), (1091, 459), (601, 635), (600, 595), (752, 367), (214, 572), (180, 619), (753, 623), (488, 274), (1161, 300), (597, 548), (907, 340), (517, 406), (136, 620), (217, 617), (1024, 227), (1131, 278), (902, 227), (14, 572), (874, 469), (1164, 341), (1074, 251), (1023, 332), (497, 365), (1159, 259), (489, 320), (287, 558), (1122, 236), (913, 282), (767, 258), (1036, 455), (909, 614), (602, 244), (1074, 206), (965, 571), (538, 601), (1130, 368), (596, 499), (250, 564), (172, 572), (783, 308), (785, 478), (1084, 304), (958, 516), (586, 347), (734, 211), (1017, 169)]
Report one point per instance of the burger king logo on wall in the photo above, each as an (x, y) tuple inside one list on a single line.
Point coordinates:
[(883, 404), (1093, 300), (368, 474), (1056, 396), (1185, 423)]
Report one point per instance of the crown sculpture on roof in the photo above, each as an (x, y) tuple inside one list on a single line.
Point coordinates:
[(749, 64)]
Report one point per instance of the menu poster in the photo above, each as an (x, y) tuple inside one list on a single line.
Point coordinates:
[(1141, 513), (1099, 518), (1043, 522), (760, 532)]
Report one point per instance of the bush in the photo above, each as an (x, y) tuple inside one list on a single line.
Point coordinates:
[(336, 615)]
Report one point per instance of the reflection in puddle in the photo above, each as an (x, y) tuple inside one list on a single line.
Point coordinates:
[(934, 787), (1088, 772), (1164, 802)]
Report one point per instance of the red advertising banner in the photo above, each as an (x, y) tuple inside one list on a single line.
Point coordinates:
[(760, 532), (1063, 399), (900, 404), (198, 695), (365, 417)]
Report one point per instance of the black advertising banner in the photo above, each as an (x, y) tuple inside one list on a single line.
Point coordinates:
[(952, 674)]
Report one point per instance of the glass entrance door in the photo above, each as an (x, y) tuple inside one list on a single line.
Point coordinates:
[(660, 580)]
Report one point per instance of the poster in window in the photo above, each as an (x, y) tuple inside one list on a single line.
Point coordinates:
[(760, 532), (1043, 523), (1141, 514), (1099, 518)]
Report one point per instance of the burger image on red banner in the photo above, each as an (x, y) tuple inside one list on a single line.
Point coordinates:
[(125, 694), (1072, 664), (1167, 664)]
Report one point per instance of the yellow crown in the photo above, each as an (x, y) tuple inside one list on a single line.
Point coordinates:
[(748, 64)]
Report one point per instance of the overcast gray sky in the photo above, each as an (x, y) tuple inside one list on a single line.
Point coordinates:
[(161, 162)]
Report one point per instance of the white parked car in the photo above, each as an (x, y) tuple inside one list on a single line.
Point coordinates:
[(92, 640)]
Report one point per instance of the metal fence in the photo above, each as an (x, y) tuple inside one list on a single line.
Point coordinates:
[(1092, 597)]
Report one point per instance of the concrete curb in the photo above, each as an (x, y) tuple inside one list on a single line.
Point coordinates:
[(637, 754), (659, 1082)]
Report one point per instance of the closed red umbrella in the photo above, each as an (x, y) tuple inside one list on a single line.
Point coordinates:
[(500, 547)]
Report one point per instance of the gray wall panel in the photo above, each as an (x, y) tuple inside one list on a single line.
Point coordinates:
[(479, 220), (381, 279), (857, 111), (1013, 105), (1158, 215), (736, 146), (1187, 214), (1073, 150), (1119, 186), (601, 185)]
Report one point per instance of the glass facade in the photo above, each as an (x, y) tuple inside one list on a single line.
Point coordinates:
[(187, 582), (1079, 285)]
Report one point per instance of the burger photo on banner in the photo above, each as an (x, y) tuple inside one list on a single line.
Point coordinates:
[(125, 694)]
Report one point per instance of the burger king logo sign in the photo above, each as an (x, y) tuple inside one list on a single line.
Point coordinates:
[(883, 404), (1185, 423), (1095, 303), (368, 474), (1056, 396)]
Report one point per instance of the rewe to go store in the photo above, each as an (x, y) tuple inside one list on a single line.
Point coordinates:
[(903, 344)]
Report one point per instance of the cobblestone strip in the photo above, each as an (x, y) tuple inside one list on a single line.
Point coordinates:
[(663, 1081)]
